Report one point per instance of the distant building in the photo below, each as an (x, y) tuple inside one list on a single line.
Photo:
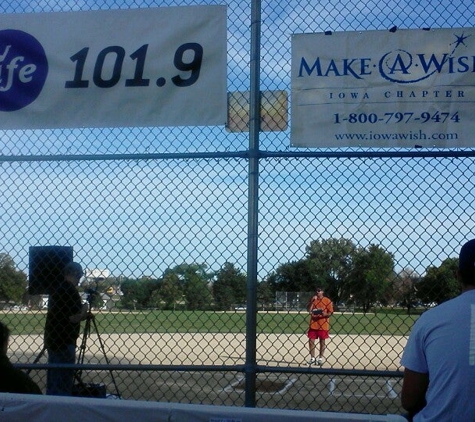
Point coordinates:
[(96, 274)]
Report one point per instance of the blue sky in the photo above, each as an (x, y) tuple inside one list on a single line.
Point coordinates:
[(140, 217)]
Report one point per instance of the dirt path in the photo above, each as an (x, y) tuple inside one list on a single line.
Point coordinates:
[(343, 351)]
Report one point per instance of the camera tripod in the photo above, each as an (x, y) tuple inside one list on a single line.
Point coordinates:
[(82, 350), (90, 323)]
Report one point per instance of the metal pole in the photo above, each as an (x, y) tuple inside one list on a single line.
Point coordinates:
[(253, 191)]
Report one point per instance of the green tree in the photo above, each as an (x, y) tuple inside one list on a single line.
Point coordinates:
[(155, 299), (327, 263), (373, 269), (13, 282), (138, 293), (265, 295), (296, 276), (331, 264), (440, 283), (194, 281), (229, 287), (171, 291), (403, 289), (197, 293)]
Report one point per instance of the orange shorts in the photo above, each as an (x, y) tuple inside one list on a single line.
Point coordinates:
[(321, 334)]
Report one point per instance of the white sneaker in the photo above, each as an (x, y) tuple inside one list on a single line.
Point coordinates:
[(312, 361), (320, 361)]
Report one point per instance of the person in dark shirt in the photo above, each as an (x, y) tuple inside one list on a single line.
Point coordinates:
[(63, 323), (13, 380)]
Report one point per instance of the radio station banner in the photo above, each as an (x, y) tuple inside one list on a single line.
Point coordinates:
[(398, 88), (111, 68)]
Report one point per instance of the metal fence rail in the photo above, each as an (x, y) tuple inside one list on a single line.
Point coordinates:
[(195, 238)]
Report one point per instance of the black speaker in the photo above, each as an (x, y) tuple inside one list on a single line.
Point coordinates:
[(46, 267)]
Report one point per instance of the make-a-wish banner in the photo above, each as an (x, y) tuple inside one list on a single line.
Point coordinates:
[(397, 88)]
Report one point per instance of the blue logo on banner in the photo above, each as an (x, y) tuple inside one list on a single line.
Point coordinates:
[(23, 69)]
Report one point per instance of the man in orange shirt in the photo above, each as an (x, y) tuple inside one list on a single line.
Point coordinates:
[(320, 308)]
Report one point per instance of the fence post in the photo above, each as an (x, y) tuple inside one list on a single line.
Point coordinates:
[(253, 190)]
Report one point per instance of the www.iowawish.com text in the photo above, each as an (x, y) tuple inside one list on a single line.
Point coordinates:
[(408, 136)]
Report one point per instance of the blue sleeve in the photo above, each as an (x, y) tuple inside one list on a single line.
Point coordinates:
[(414, 357)]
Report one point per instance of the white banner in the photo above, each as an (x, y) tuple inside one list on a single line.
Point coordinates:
[(402, 88), (140, 67)]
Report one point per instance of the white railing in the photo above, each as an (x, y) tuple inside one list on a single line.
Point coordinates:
[(22, 407)]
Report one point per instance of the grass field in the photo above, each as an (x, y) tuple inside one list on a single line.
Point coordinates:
[(382, 323), (187, 339)]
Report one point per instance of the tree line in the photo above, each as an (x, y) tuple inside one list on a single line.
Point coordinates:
[(350, 274)]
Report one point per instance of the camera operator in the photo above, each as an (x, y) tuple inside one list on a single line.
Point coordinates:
[(63, 323)]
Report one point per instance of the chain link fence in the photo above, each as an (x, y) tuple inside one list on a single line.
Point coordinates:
[(161, 217)]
